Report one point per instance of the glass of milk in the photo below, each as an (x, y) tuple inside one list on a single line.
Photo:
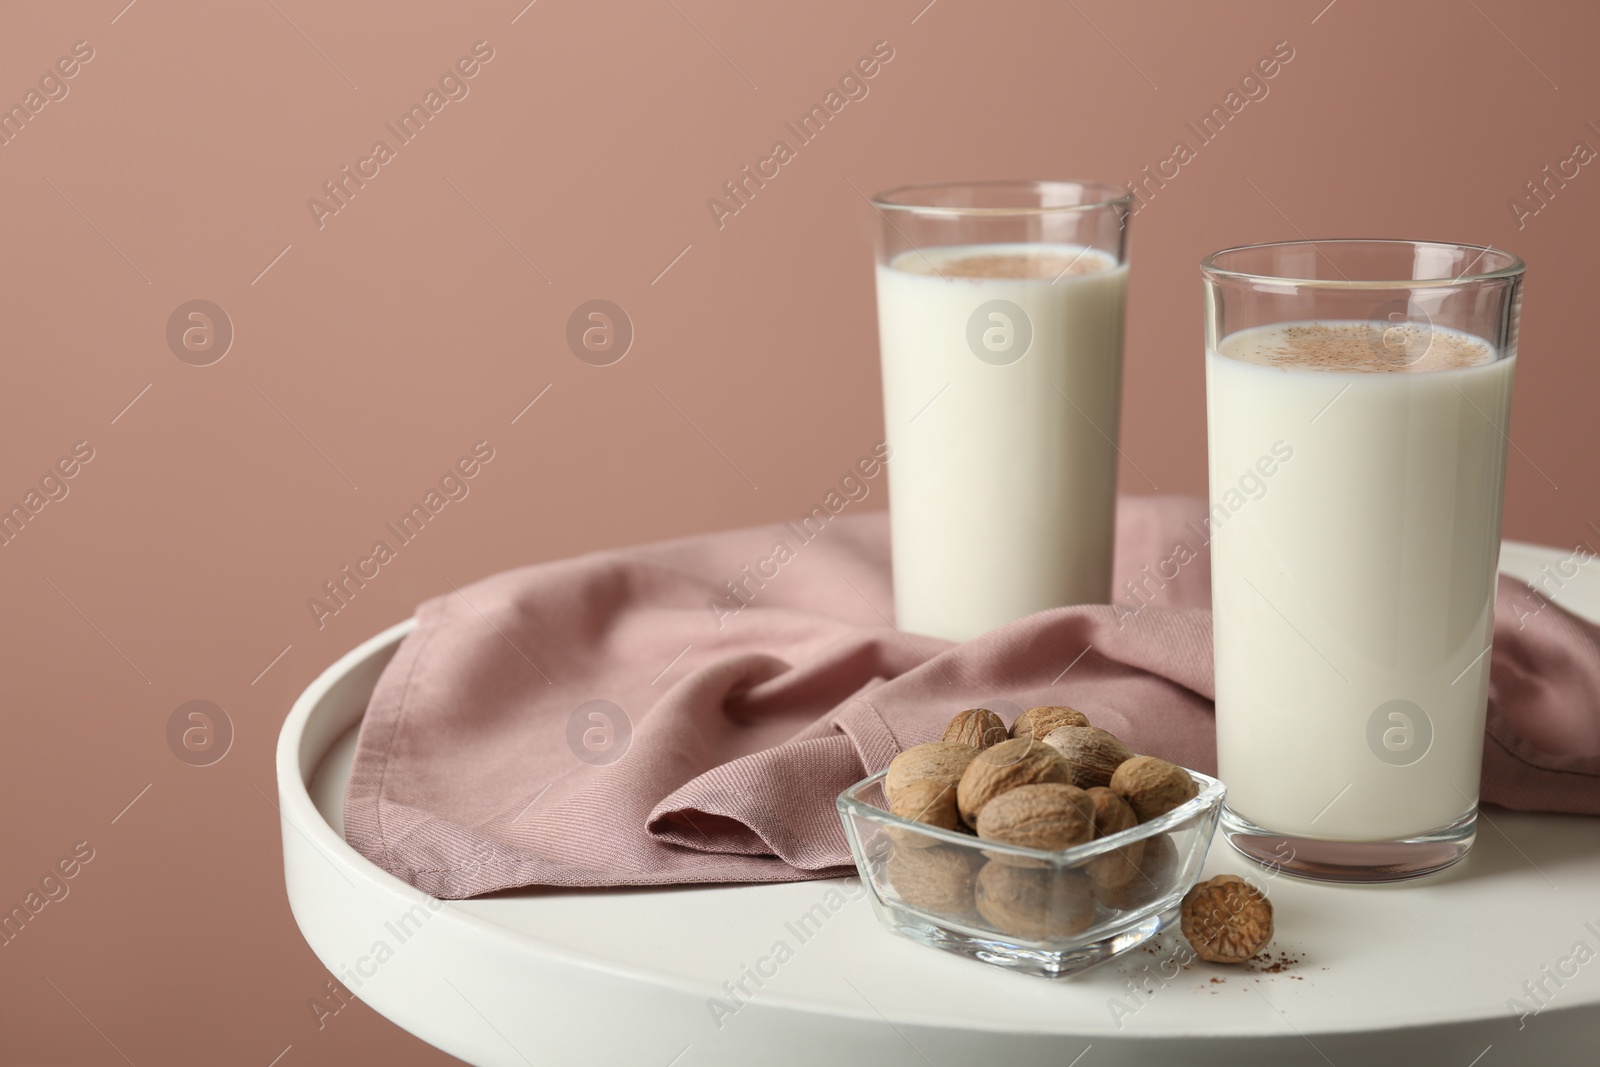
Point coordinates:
[(1358, 399), (1000, 314)]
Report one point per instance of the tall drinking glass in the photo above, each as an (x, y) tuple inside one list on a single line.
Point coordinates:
[(1358, 395), (1000, 312)]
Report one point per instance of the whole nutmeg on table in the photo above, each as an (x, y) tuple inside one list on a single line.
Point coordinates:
[(1092, 754), (1037, 722), (1047, 816), (1004, 767), (1153, 786), (978, 727), (1226, 919)]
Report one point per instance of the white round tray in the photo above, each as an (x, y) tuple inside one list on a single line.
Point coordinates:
[(1429, 971)]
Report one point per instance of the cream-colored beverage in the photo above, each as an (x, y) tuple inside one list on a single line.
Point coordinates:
[(1353, 594), (1002, 371)]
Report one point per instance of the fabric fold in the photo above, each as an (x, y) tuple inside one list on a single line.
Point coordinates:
[(688, 711)]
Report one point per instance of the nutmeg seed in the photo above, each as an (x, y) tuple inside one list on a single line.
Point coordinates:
[(927, 801), (937, 879), (1034, 904), (978, 727), (1004, 767), (1153, 786), (1037, 722), (939, 761), (1226, 919), (1046, 816), (1112, 815), (1157, 874), (1092, 754)]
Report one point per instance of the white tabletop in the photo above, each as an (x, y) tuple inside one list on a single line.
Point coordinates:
[(1419, 972)]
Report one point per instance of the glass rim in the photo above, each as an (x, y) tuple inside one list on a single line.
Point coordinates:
[(913, 198), (1213, 272)]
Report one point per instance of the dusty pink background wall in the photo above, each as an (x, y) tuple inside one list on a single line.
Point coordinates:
[(373, 346)]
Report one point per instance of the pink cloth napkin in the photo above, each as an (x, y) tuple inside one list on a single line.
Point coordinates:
[(731, 723)]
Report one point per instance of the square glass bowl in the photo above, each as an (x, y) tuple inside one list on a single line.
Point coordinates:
[(1050, 914)]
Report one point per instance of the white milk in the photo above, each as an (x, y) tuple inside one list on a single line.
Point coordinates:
[(1003, 474), (1362, 573)]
